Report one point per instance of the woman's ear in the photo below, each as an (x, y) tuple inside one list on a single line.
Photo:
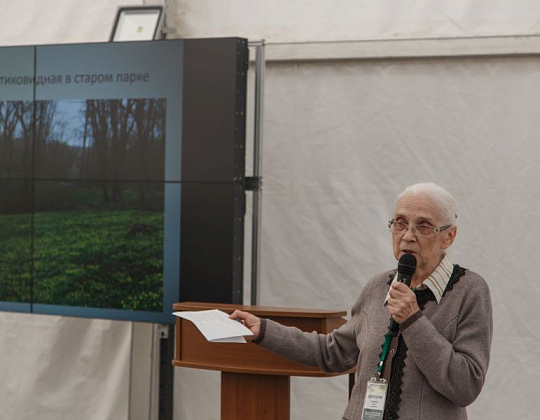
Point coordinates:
[(450, 237)]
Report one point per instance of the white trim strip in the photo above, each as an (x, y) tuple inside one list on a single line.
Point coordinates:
[(404, 48)]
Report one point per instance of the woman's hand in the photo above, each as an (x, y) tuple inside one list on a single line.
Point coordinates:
[(252, 322), (402, 303)]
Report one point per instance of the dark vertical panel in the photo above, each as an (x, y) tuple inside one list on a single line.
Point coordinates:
[(214, 110), (213, 166), (207, 238)]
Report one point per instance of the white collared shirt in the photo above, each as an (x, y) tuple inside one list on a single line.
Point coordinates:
[(437, 280)]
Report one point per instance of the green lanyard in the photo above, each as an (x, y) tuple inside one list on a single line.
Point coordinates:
[(384, 354)]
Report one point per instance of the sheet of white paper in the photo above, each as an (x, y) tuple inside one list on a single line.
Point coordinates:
[(216, 326)]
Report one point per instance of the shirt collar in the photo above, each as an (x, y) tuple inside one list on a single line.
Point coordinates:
[(437, 281)]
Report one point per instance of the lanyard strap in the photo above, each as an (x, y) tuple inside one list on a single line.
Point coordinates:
[(384, 355)]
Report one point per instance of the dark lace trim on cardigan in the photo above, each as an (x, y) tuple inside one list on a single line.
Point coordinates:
[(391, 411), (396, 377)]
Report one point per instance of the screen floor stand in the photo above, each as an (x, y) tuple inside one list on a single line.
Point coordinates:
[(166, 372)]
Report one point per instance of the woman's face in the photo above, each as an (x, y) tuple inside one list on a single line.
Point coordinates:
[(416, 209)]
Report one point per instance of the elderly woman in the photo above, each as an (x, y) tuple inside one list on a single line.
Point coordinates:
[(436, 364)]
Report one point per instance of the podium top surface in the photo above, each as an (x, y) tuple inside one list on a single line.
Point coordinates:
[(267, 311)]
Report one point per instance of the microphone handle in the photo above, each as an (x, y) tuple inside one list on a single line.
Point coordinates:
[(404, 278), (394, 326)]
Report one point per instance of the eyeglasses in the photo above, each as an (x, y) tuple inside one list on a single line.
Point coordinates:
[(424, 230)]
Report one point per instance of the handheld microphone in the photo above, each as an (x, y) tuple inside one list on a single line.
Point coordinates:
[(406, 268)]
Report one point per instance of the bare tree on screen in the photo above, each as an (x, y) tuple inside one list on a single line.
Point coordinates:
[(121, 127), (25, 114), (8, 125), (97, 114), (149, 141)]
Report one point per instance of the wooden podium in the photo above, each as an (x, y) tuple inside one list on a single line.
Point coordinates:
[(255, 382)]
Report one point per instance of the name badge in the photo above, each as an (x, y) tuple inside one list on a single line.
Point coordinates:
[(375, 399)]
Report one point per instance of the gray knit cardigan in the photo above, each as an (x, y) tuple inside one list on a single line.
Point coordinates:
[(448, 346)]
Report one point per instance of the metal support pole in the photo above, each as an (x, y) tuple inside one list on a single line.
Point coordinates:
[(257, 170), (166, 371)]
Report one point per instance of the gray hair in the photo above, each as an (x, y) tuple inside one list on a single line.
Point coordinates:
[(442, 198)]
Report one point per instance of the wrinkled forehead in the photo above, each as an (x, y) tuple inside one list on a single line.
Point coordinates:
[(417, 207)]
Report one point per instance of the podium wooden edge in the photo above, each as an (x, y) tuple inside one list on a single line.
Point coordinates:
[(289, 372), (264, 311)]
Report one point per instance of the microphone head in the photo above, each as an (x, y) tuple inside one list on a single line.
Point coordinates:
[(407, 265)]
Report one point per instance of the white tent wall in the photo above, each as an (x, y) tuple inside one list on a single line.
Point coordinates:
[(63, 368), (322, 21), (369, 130), (341, 139), (32, 22)]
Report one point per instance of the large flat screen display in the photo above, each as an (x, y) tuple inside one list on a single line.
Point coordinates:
[(121, 177)]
